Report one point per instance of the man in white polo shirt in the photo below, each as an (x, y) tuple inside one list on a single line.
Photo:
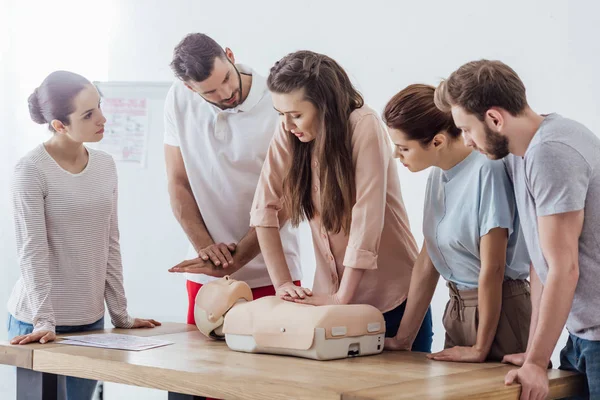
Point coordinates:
[(219, 120)]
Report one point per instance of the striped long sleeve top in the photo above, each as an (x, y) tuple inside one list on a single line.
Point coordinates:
[(67, 243)]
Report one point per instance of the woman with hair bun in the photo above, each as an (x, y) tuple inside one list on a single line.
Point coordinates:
[(65, 213), (472, 237)]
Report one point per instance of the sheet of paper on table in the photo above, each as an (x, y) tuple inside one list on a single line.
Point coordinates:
[(114, 341)]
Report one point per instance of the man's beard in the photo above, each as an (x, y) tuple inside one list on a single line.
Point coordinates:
[(238, 92), (496, 145)]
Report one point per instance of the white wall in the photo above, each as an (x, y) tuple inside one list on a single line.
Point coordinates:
[(384, 45), (36, 38)]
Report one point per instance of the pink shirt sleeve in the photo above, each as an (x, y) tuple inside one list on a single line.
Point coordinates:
[(371, 154), (267, 203)]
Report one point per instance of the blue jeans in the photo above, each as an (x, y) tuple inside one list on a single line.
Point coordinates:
[(76, 388), (583, 356), (424, 338)]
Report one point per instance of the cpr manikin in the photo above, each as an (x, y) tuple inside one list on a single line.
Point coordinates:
[(225, 309)]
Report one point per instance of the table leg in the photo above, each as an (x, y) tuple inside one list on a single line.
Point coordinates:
[(34, 385)]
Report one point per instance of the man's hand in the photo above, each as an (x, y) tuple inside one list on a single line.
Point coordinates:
[(533, 380), (459, 354), (218, 253), (200, 266)]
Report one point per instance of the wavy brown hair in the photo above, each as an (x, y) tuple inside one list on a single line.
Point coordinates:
[(327, 86)]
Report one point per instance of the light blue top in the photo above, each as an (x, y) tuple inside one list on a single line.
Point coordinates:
[(463, 204)]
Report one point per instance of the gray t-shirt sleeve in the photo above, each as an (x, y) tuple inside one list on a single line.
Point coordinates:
[(558, 177)]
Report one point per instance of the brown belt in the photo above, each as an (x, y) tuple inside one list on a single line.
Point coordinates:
[(459, 299)]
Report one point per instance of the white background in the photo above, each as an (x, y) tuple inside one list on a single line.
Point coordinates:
[(384, 46)]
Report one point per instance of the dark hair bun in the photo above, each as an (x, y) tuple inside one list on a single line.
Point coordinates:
[(34, 108)]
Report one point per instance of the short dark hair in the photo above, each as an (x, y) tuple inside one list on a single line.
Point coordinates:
[(53, 99), (413, 111), (194, 57), (480, 85)]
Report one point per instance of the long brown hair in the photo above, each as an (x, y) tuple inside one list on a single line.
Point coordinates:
[(327, 86)]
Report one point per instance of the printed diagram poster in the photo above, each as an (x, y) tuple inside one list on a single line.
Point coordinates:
[(126, 129)]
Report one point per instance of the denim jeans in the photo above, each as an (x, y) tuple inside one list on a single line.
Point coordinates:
[(424, 338), (583, 356), (76, 388)]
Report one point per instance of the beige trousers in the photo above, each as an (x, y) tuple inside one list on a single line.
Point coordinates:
[(461, 319)]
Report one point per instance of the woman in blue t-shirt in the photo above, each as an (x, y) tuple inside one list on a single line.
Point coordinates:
[(472, 237)]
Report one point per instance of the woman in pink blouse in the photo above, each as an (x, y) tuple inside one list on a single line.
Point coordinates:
[(330, 162)]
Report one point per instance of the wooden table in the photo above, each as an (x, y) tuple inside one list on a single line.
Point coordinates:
[(195, 366)]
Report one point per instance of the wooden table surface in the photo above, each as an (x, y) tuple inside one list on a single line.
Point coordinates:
[(22, 356), (198, 366)]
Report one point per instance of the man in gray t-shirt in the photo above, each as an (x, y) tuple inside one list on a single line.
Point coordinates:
[(554, 164)]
